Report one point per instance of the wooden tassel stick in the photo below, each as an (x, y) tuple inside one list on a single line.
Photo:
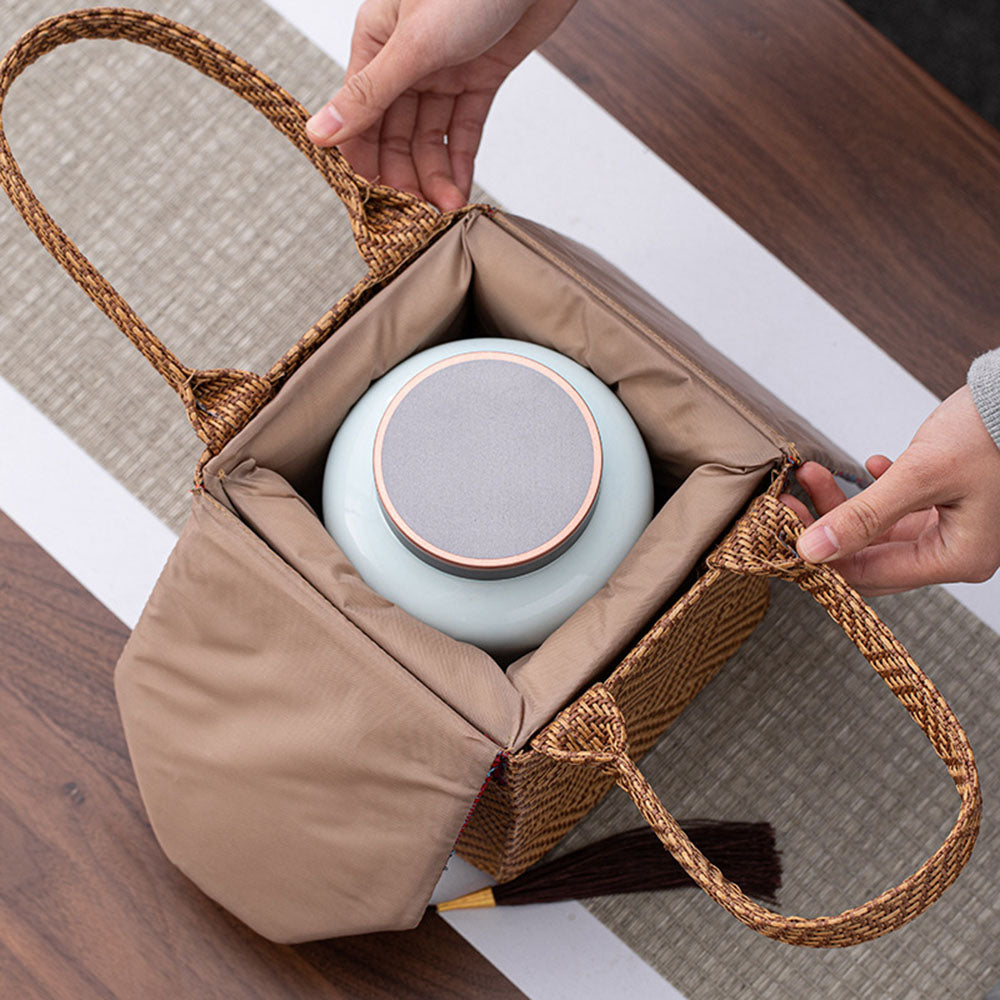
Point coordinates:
[(636, 861)]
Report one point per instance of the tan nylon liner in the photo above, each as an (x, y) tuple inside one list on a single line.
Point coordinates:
[(621, 294), (475, 280), (289, 766)]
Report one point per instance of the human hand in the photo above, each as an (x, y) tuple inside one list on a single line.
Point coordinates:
[(932, 516), (420, 81)]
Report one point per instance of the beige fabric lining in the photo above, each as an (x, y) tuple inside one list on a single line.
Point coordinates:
[(460, 673), (290, 767), (477, 278), (766, 412)]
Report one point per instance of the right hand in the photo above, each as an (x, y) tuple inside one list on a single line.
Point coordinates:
[(932, 516), (421, 79)]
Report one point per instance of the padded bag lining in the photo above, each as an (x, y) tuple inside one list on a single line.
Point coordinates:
[(708, 460), (291, 768), (308, 752)]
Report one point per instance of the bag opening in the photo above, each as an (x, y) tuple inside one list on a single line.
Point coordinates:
[(709, 458)]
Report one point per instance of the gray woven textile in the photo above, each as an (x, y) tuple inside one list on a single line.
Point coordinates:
[(228, 244), (214, 228)]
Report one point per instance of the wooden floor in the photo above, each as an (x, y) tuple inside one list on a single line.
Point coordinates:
[(827, 145), (71, 815), (798, 121)]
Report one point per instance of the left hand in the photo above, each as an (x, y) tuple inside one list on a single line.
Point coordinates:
[(932, 516), (420, 81)]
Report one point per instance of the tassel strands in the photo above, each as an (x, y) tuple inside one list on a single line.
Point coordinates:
[(636, 861)]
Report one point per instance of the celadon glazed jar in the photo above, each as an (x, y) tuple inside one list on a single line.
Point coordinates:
[(488, 487)]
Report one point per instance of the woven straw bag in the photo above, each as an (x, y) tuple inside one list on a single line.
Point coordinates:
[(309, 754)]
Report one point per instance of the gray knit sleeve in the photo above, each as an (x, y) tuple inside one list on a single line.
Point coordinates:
[(984, 381)]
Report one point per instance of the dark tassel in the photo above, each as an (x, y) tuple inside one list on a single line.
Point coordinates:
[(636, 861)]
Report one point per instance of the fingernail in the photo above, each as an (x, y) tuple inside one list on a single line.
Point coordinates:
[(817, 544), (325, 124)]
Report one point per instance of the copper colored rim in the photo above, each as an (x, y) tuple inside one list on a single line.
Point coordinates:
[(520, 559)]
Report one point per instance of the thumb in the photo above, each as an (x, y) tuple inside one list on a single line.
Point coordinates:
[(366, 95), (861, 520)]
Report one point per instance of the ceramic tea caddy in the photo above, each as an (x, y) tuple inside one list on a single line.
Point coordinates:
[(488, 487)]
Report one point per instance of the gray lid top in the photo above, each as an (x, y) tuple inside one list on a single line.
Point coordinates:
[(487, 463)]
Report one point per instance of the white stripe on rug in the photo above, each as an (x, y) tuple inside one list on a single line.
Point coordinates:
[(77, 511)]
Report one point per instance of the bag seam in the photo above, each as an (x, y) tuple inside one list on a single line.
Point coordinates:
[(263, 553)]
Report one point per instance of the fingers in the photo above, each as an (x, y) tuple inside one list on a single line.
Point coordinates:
[(929, 517), (362, 152), (826, 494), (907, 554), (798, 507), (464, 133), (442, 147), (395, 144), (434, 48), (852, 525), (412, 148), (431, 154), (890, 567), (395, 47), (822, 488), (367, 93), (896, 563), (877, 465)]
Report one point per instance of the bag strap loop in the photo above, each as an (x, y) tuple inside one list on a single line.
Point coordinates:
[(389, 226), (592, 732)]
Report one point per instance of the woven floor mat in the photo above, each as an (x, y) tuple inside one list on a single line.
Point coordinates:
[(217, 231), (797, 730)]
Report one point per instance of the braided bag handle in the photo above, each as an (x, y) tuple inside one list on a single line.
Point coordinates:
[(389, 226), (592, 732)]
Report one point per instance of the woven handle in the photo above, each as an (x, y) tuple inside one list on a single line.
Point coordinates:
[(389, 226), (592, 732)]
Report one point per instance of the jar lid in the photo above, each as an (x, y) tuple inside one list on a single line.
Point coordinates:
[(487, 464)]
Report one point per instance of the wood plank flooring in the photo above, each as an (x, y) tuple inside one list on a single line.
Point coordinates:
[(89, 906), (826, 144)]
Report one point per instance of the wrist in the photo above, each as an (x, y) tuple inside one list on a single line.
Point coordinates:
[(984, 384)]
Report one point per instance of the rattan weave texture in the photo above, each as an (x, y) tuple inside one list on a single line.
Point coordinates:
[(539, 799), (389, 226), (592, 732)]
